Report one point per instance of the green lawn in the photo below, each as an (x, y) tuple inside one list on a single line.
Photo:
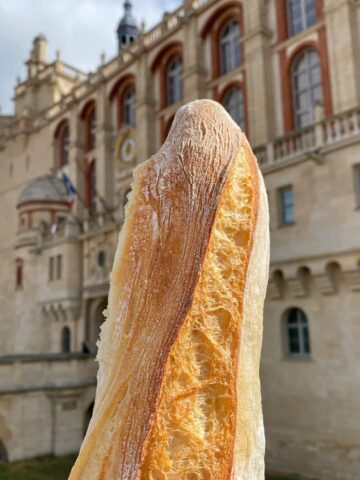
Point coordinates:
[(45, 468)]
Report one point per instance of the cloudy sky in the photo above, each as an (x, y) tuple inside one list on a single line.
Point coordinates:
[(81, 29)]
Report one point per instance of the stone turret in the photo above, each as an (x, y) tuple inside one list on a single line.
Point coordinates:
[(42, 204), (38, 56), (127, 30)]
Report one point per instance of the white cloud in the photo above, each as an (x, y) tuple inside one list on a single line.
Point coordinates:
[(81, 29)]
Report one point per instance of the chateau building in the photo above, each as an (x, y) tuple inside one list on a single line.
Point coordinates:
[(288, 72)]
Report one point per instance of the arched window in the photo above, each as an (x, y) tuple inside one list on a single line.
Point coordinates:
[(92, 129), (66, 340), (301, 15), (306, 86), (62, 140), (89, 117), (174, 80), (229, 46), (233, 102), (297, 332), (91, 187), (128, 107)]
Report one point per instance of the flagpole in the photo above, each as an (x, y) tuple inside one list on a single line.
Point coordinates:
[(78, 220)]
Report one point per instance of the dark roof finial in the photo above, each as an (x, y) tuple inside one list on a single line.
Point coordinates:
[(127, 30)]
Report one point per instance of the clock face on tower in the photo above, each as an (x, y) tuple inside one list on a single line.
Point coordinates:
[(125, 146), (127, 150)]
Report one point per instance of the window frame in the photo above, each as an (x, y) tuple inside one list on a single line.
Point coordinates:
[(91, 191), (304, 56), (281, 210), (51, 268), (62, 144), (89, 117), (59, 266), (66, 330), (125, 104), (300, 327), (235, 53), (305, 23), (227, 92), (176, 77)]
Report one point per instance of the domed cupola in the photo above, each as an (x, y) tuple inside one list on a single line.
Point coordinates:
[(42, 203), (127, 30)]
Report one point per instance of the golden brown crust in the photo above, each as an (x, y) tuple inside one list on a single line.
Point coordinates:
[(193, 432), (160, 254)]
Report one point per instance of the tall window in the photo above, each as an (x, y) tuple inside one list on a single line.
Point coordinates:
[(297, 332), (91, 188), (92, 129), (55, 268), (89, 117), (234, 104), (307, 86), (62, 145), (128, 99), (58, 267), (51, 268), (66, 340), (174, 80), (301, 15), (286, 205), (229, 43)]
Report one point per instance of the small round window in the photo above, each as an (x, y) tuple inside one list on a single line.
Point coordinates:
[(101, 258)]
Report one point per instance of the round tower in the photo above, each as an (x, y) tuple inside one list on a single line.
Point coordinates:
[(43, 203), (127, 30)]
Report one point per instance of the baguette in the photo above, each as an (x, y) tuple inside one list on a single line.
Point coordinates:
[(178, 393)]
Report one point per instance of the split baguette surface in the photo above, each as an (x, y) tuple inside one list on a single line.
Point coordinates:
[(178, 394)]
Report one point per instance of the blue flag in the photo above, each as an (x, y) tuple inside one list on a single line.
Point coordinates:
[(70, 188)]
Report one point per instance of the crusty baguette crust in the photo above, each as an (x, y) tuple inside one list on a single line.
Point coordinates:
[(193, 431), (179, 290)]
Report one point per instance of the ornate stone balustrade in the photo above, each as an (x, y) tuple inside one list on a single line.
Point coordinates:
[(311, 140)]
